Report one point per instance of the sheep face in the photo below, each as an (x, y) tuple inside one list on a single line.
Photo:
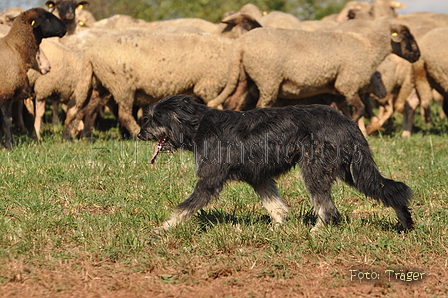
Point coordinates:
[(403, 43), (66, 9), (45, 24), (238, 24)]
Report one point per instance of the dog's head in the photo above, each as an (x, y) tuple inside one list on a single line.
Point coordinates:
[(173, 122)]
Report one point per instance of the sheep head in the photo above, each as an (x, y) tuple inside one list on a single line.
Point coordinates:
[(66, 9), (403, 43), (44, 23), (238, 23)]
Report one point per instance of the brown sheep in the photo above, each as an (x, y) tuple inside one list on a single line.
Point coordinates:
[(18, 50), (297, 64), (42, 64)]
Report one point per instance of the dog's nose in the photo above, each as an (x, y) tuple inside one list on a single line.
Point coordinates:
[(142, 136)]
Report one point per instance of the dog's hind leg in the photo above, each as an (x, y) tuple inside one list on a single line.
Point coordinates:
[(272, 201), (326, 210), (318, 186), (203, 192)]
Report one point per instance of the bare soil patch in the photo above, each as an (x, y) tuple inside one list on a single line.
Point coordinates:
[(314, 279)]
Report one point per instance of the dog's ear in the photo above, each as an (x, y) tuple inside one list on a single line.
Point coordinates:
[(148, 114), (191, 99), (148, 111), (187, 104)]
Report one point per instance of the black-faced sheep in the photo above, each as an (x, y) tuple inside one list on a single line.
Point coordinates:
[(366, 11), (398, 79), (66, 11), (296, 64), (18, 51)]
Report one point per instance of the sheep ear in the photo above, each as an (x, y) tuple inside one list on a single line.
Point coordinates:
[(82, 4), (396, 37), (51, 5), (35, 23), (396, 4)]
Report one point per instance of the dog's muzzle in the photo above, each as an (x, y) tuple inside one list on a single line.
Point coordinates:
[(142, 137)]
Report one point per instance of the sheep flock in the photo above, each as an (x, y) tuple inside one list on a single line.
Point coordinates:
[(368, 55)]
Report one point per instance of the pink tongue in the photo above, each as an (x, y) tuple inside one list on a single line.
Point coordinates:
[(157, 149), (156, 152)]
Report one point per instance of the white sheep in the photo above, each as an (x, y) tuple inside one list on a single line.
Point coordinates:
[(296, 64), (433, 73), (140, 67), (18, 51), (279, 19), (397, 75), (7, 17), (58, 85)]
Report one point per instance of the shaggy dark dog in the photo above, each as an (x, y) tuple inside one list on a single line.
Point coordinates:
[(258, 145)]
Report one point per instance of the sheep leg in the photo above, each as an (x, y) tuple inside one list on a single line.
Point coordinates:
[(29, 104), (384, 114), (267, 96), (406, 89), (408, 114), (39, 113), (369, 109), (445, 105), (250, 98), (362, 125), (70, 114), (341, 107), (358, 105), (73, 126), (18, 107), (6, 110), (426, 113), (91, 112), (236, 100), (127, 120), (55, 104), (70, 125)]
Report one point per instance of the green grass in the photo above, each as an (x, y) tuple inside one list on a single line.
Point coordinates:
[(67, 203)]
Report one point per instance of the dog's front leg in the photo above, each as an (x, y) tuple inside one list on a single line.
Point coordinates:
[(204, 191)]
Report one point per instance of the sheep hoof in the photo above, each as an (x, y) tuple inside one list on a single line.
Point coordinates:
[(406, 134)]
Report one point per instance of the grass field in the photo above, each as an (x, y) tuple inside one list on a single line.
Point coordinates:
[(76, 220)]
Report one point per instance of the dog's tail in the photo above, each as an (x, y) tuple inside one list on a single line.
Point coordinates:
[(368, 180)]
